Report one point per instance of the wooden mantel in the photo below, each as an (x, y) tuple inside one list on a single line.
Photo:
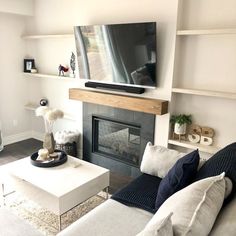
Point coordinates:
[(147, 105)]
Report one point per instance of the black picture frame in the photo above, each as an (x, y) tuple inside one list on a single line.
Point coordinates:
[(28, 65)]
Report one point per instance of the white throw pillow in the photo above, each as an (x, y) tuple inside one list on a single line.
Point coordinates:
[(158, 160), (195, 207), (156, 227)]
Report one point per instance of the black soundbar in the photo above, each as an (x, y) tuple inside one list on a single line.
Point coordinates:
[(128, 89)]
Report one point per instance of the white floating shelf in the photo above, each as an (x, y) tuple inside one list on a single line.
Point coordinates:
[(208, 93), (38, 75), (206, 32), (47, 36), (200, 147), (33, 106)]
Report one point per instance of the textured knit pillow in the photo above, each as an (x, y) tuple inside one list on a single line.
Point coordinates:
[(195, 207), (179, 176), (158, 160), (158, 227), (222, 161)]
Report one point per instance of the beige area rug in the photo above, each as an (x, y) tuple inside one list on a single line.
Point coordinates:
[(45, 221)]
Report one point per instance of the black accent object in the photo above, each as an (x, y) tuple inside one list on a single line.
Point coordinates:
[(128, 89), (43, 102), (28, 65), (68, 148), (124, 54), (117, 140), (140, 193), (62, 159), (223, 161)]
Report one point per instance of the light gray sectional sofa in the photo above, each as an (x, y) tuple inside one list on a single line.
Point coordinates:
[(11, 225), (111, 218), (202, 200)]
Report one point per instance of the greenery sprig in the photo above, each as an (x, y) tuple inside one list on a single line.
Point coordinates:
[(181, 119)]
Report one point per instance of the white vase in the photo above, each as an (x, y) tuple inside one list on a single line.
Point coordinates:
[(180, 129)]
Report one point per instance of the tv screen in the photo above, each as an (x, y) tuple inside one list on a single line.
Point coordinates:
[(118, 53)]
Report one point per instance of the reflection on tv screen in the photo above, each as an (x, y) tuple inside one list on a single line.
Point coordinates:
[(120, 54)]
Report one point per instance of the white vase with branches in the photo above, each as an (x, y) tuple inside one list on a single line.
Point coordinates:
[(49, 117)]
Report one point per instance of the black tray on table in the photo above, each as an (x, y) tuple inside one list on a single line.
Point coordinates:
[(62, 158)]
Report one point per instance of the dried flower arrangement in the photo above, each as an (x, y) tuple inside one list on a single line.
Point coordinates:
[(49, 116)]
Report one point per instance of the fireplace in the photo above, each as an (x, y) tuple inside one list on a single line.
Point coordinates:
[(116, 138)]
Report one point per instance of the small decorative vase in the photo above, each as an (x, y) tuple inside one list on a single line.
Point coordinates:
[(49, 142), (180, 129)]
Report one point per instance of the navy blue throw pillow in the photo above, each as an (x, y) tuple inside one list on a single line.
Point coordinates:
[(223, 161), (178, 177), (141, 193)]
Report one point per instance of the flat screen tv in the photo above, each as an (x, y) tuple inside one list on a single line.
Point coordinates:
[(123, 54)]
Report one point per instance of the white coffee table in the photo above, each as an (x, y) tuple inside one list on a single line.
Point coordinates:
[(58, 189)]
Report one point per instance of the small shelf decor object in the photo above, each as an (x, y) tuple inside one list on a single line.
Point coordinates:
[(180, 123), (62, 70), (57, 159), (72, 65), (28, 65), (43, 102), (202, 135)]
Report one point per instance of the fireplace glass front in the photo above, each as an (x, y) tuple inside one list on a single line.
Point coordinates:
[(117, 140)]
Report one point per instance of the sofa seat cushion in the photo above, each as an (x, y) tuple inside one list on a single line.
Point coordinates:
[(140, 193), (225, 223), (158, 227), (109, 218), (11, 225)]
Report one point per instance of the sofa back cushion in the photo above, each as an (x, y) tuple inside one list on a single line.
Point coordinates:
[(195, 207), (222, 161), (158, 160), (178, 177)]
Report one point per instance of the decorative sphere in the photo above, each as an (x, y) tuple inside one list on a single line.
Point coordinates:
[(43, 102)]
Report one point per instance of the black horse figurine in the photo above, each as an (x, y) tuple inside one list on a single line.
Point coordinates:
[(62, 70)]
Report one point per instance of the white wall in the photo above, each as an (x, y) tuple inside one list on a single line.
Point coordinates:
[(13, 87), (56, 17), (22, 7)]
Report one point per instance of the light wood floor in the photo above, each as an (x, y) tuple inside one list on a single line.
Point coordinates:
[(25, 148)]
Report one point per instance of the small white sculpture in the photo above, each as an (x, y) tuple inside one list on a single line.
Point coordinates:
[(43, 154)]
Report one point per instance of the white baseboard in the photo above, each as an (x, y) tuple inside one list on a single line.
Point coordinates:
[(37, 135), (16, 137), (22, 136)]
